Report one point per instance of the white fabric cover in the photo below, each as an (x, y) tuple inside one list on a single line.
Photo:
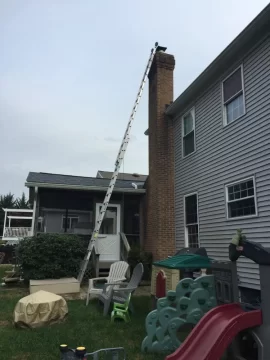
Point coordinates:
[(40, 309)]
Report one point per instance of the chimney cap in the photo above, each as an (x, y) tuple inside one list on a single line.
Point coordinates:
[(161, 48)]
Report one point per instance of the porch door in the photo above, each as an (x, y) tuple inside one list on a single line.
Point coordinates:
[(108, 242)]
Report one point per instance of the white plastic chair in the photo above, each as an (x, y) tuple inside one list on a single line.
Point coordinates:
[(117, 274)]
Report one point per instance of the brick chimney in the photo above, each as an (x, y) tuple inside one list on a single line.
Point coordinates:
[(160, 222)]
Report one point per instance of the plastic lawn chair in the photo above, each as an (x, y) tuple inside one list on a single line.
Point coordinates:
[(119, 293), (117, 274), (120, 311)]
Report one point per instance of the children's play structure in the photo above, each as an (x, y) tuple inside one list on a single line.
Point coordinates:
[(186, 305), (211, 303)]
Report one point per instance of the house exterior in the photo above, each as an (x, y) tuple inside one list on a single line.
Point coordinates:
[(213, 144), (71, 204)]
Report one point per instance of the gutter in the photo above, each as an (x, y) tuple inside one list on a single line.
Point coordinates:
[(79, 187)]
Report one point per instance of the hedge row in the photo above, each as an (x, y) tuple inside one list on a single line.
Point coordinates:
[(50, 256), (53, 256)]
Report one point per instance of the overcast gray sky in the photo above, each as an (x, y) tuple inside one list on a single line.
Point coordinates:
[(70, 71)]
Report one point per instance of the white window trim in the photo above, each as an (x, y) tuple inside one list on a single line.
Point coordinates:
[(198, 222), (192, 111), (118, 217), (224, 113), (71, 217), (255, 199)]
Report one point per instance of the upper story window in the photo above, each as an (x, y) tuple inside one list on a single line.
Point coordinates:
[(233, 96), (241, 199), (188, 132)]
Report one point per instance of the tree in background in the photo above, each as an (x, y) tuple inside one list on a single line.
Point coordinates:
[(22, 203), (7, 201)]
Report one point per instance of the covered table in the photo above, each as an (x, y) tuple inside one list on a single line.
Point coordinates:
[(40, 309)]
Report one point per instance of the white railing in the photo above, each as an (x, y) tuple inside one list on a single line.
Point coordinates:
[(17, 232), (124, 247)]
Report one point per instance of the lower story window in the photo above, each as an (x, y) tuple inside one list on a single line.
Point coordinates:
[(241, 198), (191, 221), (71, 222)]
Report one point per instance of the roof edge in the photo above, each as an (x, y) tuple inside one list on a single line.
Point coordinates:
[(79, 187), (81, 176)]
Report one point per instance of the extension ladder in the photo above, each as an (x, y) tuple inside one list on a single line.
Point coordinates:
[(118, 163)]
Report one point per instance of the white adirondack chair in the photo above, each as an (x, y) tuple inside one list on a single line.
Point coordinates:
[(117, 274)]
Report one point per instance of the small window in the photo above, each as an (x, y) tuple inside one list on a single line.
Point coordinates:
[(191, 221), (233, 96), (71, 222), (241, 199), (188, 131)]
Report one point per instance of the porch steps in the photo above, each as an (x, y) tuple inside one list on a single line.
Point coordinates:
[(104, 268), (104, 272)]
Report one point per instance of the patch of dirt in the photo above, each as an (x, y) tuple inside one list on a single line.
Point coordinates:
[(77, 296), (131, 343), (4, 323), (22, 356), (142, 291), (10, 293), (139, 357)]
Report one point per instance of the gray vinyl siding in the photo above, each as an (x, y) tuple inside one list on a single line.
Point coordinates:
[(225, 154)]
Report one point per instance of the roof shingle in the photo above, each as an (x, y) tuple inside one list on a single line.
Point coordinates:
[(59, 179)]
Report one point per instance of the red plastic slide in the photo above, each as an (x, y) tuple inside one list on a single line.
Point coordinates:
[(215, 331)]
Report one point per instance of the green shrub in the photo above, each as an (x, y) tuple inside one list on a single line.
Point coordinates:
[(50, 256), (9, 251), (137, 255)]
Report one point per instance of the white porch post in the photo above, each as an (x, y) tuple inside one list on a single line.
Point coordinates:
[(34, 211), (5, 222)]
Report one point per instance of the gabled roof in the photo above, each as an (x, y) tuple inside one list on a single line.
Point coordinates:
[(251, 35), (122, 176), (40, 179)]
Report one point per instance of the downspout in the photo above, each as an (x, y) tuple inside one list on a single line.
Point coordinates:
[(66, 222)]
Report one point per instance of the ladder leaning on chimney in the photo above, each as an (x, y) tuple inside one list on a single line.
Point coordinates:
[(118, 163)]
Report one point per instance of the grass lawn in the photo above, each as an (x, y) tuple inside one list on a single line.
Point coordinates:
[(84, 326)]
